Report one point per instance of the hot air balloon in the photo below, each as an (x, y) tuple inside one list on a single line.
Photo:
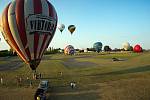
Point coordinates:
[(61, 27), (137, 48), (126, 46), (71, 28), (69, 50), (98, 46), (28, 27)]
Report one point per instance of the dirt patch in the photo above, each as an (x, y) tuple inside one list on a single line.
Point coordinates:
[(10, 63)]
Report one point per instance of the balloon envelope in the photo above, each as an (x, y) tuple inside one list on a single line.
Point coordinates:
[(126, 46), (28, 27), (61, 27), (71, 28), (97, 46), (69, 50), (137, 48)]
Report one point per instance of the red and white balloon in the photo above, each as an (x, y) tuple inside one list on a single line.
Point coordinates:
[(28, 26)]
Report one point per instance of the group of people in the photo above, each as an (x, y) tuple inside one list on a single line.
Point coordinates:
[(37, 76), (20, 80), (40, 94)]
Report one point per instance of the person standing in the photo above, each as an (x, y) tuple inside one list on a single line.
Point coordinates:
[(40, 75), (38, 98), (31, 84), (1, 80), (73, 85)]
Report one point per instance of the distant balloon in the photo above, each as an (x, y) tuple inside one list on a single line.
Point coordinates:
[(137, 48), (61, 27), (71, 28), (98, 46), (28, 27), (69, 50), (126, 46)]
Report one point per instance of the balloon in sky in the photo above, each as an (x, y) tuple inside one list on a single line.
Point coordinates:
[(137, 48), (61, 27), (69, 50), (126, 46), (28, 27), (71, 28), (98, 46)]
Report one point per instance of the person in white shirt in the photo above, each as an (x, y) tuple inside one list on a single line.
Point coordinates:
[(73, 85), (1, 80)]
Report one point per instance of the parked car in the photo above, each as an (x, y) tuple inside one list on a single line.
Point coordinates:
[(44, 84)]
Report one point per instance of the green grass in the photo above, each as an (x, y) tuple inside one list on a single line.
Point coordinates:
[(97, 77)]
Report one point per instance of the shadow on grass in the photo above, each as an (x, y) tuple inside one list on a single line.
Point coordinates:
[(66, 93), (86, 96), (127, 71)]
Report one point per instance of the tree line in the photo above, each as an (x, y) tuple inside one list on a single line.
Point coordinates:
[(51, 50)]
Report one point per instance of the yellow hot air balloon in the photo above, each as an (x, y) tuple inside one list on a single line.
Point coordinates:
[(71, 28)]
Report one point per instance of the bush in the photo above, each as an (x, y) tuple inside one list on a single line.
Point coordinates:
[(4, 53)]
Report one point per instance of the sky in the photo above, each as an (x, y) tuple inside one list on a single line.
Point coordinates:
[(111, 22)]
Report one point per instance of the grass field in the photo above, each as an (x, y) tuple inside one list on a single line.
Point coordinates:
[(96, 75)]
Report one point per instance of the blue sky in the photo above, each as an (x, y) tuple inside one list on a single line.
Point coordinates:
[(111, 22)]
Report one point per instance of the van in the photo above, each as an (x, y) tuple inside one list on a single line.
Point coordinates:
[(44, 84)]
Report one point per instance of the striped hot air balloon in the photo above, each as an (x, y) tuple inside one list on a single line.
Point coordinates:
[(69, 50), (28, 27)]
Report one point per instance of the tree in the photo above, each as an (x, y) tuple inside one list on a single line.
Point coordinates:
[(107, 48), (131, 48)]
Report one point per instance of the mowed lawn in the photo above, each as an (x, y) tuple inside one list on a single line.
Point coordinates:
[(97, 77)]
